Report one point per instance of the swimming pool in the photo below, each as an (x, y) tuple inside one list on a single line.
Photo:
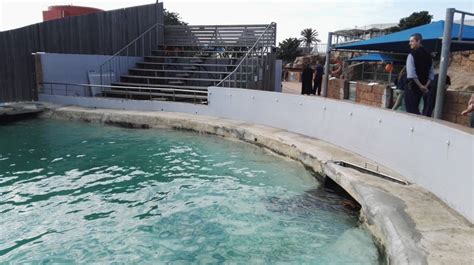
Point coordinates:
[(77, 192)]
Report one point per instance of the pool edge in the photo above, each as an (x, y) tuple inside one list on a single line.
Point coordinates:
[(389, 210)]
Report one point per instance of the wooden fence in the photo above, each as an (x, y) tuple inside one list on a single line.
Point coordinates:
[(99, 33)]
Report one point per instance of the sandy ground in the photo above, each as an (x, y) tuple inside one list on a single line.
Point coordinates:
[(291, 87)]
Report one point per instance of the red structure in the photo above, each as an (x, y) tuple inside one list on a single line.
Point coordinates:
[(56, 12)]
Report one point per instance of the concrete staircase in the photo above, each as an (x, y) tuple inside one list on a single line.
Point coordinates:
[(187, 73), (191, 59)]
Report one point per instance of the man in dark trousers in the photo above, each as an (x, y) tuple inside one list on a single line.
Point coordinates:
[(419, 73), (306, 79), (318, 78)]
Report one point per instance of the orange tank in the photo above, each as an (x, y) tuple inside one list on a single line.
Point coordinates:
[(57, 12)]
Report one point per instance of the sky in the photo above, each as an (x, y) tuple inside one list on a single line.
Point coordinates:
[(291, 16)]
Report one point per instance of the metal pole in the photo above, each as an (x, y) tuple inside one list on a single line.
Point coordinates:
[(443, 66), (326, 66), (461, 28), (240, 76), (149, 41), (246, 73)]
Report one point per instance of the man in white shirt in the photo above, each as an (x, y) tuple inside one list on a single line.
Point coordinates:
[(420, 73)]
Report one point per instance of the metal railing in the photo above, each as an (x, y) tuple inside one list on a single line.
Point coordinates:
[(313, 49), (197, 96), (119, 63), (215, 35), (250, 69), (445, 50)]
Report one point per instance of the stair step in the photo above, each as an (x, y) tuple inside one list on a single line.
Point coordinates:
[(175, 82), (198, 51), (187, 57), (154, 94), (171, 78), (139, 85), (187, 64), (179, 71), (206, 45)]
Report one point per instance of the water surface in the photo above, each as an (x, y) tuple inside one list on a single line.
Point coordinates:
[(82, 193)]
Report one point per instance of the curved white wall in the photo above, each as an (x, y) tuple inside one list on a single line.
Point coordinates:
[(431, 154)]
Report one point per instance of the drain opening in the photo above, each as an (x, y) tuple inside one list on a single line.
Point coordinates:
[(371, 172)]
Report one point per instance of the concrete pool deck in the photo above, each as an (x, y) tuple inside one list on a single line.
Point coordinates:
[(410, 223)]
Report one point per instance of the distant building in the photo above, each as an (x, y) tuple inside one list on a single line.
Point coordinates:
[(364, 32), (57, 12), (372, 31), (469, 22)]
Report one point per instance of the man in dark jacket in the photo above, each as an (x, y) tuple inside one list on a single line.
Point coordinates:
[(318, 78), (419, 74), (307, 80)]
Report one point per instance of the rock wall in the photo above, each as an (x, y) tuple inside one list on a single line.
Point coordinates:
[(454, 103), (461, 71), (373, 95), (338, 89)]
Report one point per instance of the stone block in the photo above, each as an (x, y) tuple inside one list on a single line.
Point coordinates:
[(454, 108), (463, 120), (450, 97), (449, 117)]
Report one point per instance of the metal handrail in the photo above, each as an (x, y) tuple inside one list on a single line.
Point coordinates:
[(215, 35), (198, 96), (247, 54), (129, 87), (133, 43), (130, 43), (444, 55)]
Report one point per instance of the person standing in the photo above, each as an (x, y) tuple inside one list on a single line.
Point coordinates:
[(306, 79), (470, 109), (429, 98), (420, 72), (318, 78), (401, 83)]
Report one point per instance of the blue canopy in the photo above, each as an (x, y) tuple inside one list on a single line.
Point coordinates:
[(375, 57), (432, 37)]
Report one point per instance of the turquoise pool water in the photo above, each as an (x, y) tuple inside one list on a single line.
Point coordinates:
[(86, 193)]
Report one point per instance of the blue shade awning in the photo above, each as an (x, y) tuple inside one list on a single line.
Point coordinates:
[(375, 57), (398, 41)]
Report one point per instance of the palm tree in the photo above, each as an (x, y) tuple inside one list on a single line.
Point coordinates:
[(288, 49), (309, 36)]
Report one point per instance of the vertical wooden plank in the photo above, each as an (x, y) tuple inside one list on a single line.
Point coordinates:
[(98, 33)]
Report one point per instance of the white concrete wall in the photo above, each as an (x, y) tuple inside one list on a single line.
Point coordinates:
[(74, 68), (125, 104), (431, 154)]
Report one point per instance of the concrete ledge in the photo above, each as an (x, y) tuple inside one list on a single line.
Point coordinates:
[(410, 223)]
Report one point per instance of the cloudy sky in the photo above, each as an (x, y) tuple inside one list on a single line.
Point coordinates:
[(291, 16)]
